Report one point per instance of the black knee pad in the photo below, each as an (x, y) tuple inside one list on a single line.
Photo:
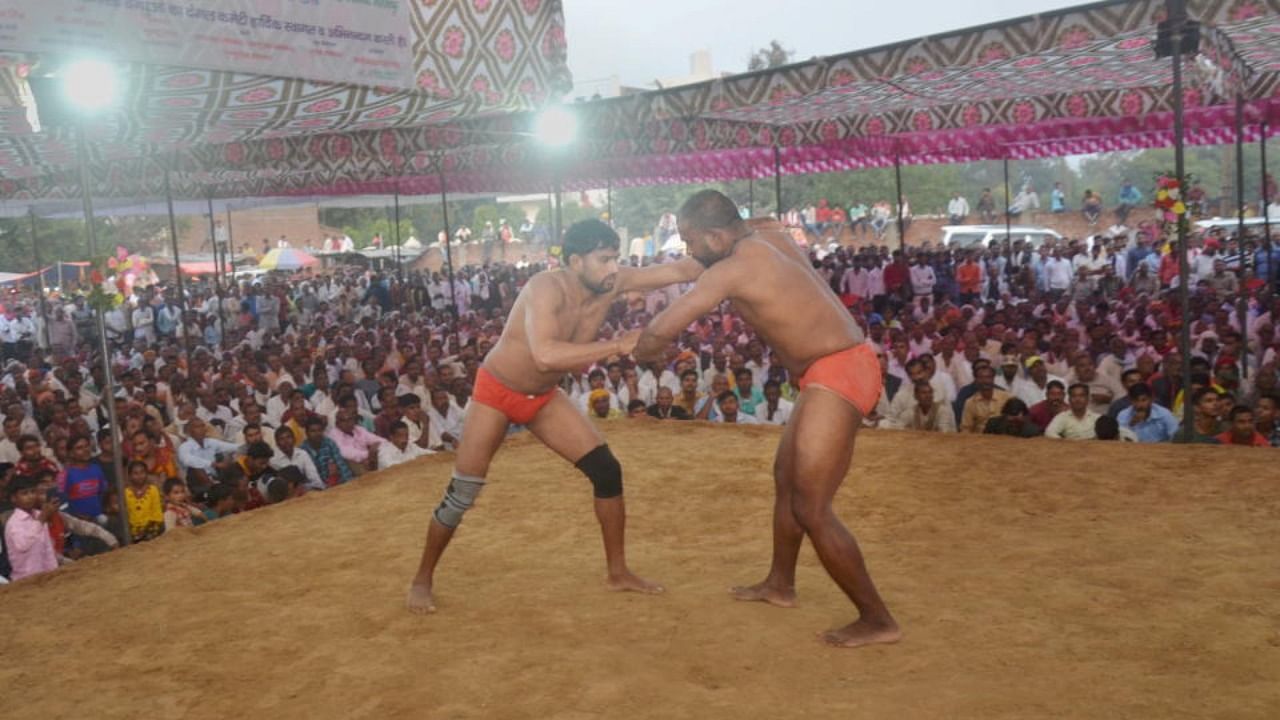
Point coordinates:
[(604, 472)]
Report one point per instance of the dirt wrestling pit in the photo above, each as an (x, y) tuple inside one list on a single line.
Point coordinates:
[(1032, 579)]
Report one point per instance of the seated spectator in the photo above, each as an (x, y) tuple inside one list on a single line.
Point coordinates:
[(83, 482), (689, 398), (358, 446), (775, 410), (928, 414), (1043, 413), (178, 509), (31, 458), (1267, 419), (1108, 428), (221, 503), (142, 504), (446, 420), (637, 409), (1207, 427), (245, 494), (256, 464), (330, 465), (26, 533), (1078, 422), (397, 449), (287, 454), (728, 405), (160, 464), (1148, 421), (985, 404), (600, 405), (664, 407), (1014, 420), (709, 406), (204, 456), (749, 396), (1242, 430)]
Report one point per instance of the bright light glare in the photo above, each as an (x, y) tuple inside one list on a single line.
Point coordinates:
[(556, 127), (90, 84)]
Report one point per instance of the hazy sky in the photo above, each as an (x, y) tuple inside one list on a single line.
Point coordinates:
[(641, 40)]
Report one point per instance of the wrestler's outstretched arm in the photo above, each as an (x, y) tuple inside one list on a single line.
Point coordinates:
[(712, 288), (658, 276)]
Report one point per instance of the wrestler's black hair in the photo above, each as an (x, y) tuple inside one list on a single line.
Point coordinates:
[(587, 236), (709, 210)]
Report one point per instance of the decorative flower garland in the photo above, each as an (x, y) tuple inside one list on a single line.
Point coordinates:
[(1170, 203)]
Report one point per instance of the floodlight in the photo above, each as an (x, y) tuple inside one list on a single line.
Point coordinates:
[(90, 84), (556, 127)]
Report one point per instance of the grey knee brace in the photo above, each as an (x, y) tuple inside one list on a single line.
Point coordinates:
[(459, 498), (604, 471)]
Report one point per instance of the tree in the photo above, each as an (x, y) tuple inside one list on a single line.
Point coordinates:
[(771, 57)]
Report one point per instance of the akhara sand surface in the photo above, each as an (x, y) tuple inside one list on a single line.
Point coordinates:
[(1033, 579)]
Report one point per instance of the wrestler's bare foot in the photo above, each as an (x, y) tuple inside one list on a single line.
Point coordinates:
[(765, 592), (420, 600), (630, 582), (862, 632)]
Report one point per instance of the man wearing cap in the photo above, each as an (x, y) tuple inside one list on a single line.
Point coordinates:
[(551, 330), (1031, 388)]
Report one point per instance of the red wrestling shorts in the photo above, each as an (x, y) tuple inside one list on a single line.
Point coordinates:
[(517, 406), (853, 374)]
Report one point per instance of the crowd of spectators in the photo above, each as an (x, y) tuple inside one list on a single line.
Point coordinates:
[(266, 390)]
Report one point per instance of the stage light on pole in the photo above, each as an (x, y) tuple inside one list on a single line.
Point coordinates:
[(90, 84), (556, 127)]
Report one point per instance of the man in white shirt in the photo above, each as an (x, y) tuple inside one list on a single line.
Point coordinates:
[(775, 410), (1058, 273), (653, 376), (1031, 388), (288, 453), (398, 449), (728, 404), (957, 209), (922, 278), (199, 455), (1078, 422), (445, 420)]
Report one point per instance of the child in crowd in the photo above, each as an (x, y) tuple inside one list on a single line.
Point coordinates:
[(26, 534), (221, 503), (178, 510), (142, 504)]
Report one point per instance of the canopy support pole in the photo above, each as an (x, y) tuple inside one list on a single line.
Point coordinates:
[(231, 250), (44, 302), (558, 192), (608, 198), (217, 277), (777, 181), (177, 267), (897, 183), (1008, 220), (109, 392), (1241, 304), (448, 251), (751, 196), (399, 267), (1176, 12), (1266, 218)]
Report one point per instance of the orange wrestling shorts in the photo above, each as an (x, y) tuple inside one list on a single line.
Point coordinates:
[(517, 406), (853, 374)]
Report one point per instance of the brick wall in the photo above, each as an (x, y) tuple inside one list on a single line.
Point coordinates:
[(299, 223)]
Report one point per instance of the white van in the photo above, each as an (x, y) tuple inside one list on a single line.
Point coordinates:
[(968, 237)]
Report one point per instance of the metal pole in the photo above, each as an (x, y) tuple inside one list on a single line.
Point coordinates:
[(231, 249), (1176, 10), (1266, 217), (217, 276), (608, 198), (44, 303), (1008, 221), (177, 266), (399, 267), (448, 248), (1241, 303), (108, 392), (777, 180), (751, 196), (897, 183), (559, 218)]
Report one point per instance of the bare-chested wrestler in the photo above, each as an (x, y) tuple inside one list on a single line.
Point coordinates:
[(772, 284), (552, 329)]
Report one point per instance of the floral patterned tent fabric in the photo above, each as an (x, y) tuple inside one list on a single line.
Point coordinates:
[(472, 58), (1074, 81)]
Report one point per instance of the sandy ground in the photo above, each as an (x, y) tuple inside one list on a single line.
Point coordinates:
[(1032, 580)]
